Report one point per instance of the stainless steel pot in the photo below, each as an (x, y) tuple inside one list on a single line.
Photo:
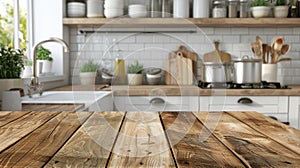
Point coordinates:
[(214, 72), (247, 71)]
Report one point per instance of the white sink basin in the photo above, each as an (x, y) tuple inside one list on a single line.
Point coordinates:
[(90, 99)]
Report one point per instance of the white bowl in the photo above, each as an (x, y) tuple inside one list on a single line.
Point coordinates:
[(113, 4), (78, 4), (137, 14), (112, 13), (137, 7), (260, 11)]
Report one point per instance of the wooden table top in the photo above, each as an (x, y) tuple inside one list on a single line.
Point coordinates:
[(146, 139)]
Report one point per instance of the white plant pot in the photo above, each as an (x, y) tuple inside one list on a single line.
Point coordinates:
[(6, 84), (281, 11), (88, 78), (135, 79), (43, 67), (27, 72), (269, 72), (260, 11)]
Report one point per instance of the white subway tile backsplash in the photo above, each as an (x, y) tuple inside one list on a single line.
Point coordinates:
[(239, 31), (152, 49), (222, 31), (283, 31), (231, 38)]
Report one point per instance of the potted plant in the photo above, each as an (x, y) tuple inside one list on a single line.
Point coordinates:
[(260, 8), (10, 68), (134, 74), (44, 60), (281, 9), (27, 71), (88, 73)]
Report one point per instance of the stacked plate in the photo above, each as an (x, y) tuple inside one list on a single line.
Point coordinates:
[(76, 9), (113, 8), (137, 11), (94, 8)]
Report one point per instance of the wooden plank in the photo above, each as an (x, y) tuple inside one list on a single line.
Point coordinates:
[(37, 148), (92, 143), (279, 132), (179, 22), (185, 134), (7, 117), (254, 148), (141, 143), (17, 129)]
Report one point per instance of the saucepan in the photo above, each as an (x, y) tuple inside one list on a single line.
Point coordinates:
[(247, 70), (216, 72)]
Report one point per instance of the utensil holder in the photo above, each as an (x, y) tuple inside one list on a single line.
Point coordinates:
[(269, 72)]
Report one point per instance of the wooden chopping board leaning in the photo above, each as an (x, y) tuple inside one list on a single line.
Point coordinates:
[(181, 67)]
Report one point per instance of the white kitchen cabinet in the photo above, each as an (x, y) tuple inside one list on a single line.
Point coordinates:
[(294, 111), (276, 106), (156, 103)]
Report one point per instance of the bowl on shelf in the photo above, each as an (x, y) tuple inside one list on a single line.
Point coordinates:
[(137, 11), (260, 11), (76, 9), (112, 13), (280, 11)]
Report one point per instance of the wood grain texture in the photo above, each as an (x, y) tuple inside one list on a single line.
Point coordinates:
[(91, 144), (141, 143), (200, 22), (19, 128), (185, 134), (271, 128), (38, 147), (7, 117), (254, 148)]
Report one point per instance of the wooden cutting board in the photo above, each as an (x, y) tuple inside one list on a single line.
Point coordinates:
[(170, 69), (217, 55), (192, 56)]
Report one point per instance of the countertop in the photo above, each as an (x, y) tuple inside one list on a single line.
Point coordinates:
[(150, 139), (175, 90)]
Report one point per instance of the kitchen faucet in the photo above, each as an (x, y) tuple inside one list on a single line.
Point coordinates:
[(35, 84)]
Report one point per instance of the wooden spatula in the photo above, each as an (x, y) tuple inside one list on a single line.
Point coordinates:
[(225, 57)]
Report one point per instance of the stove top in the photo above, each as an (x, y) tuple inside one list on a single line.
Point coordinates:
[(230, 85)]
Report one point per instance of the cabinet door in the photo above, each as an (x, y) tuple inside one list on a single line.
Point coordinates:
[(276, 106), (156, 103), (294, 112)]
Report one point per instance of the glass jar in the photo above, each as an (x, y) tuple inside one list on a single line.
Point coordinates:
[(219, 9), (232, 8), (243, 8), (298, 8)]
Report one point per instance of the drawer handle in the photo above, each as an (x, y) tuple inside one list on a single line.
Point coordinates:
[(157, 100), (245, 100)]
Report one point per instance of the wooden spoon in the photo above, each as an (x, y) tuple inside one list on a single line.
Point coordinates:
[(284, 59), (285, 49)]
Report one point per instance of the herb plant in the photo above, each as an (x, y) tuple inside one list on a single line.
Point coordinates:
[(11, 62), (43, 54), (259, 3), (135, 68), (280, 2), (89, 67)]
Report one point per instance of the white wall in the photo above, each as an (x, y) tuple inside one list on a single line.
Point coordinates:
[(48, 22)]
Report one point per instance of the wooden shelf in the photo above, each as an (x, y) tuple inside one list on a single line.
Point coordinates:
[(172, 22)]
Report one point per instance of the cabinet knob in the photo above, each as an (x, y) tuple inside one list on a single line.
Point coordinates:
[(157, 100), (245, 100)]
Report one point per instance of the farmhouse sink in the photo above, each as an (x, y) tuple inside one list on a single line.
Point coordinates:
[(92, 100)]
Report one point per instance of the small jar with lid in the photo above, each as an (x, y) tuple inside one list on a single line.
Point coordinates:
[(244, 8), (232, 8), (219, 9)]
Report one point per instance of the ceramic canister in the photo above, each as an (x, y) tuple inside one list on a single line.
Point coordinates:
[(181, 9), (201, 9)]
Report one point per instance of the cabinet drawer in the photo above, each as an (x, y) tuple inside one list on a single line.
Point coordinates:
[(262, 104), (156, 103)]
